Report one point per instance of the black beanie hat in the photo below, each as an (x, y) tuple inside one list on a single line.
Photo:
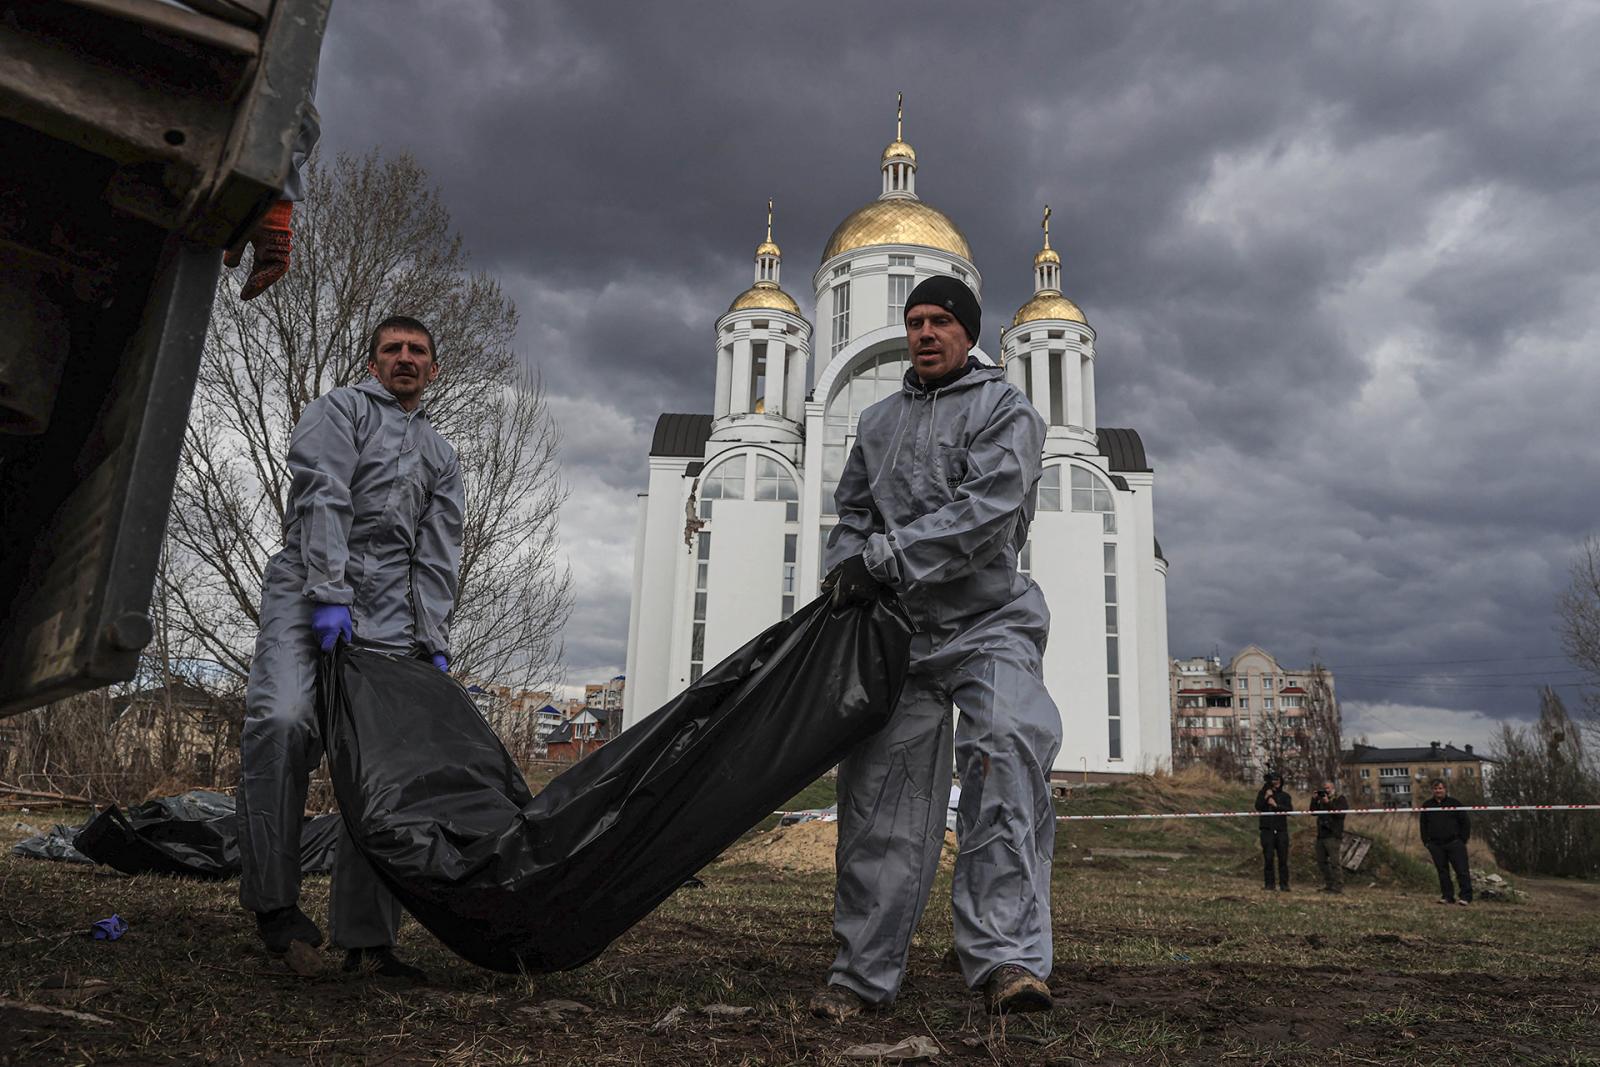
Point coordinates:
[(954, 297)]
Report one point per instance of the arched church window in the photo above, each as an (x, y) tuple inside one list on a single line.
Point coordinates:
[(1050, 489), (773, 482), (1089, 493), (870, 381), (725, 481)]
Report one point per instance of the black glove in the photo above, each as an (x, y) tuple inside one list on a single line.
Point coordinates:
[(852, 583)]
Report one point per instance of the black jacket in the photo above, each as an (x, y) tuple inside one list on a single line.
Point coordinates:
[(1330, 825), (1443, 827), (1285, 803)]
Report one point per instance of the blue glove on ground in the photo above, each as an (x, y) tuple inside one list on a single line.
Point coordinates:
[(330, 622), (441, 661)]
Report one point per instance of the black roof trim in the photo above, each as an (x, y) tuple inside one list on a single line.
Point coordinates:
[(1120, 482), (1159, 554), (1123, 447), (681, 435), (1424, 754)]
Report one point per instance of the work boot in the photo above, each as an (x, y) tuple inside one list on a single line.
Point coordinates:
[(836, 1003), (381, 962), (1011, 988), (283, 925)]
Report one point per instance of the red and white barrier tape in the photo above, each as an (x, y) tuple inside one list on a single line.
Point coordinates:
[(1304, 812), (1345, 811)]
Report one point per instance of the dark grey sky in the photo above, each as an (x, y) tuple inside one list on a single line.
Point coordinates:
[(1341, 258)]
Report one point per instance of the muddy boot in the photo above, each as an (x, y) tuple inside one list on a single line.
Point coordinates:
[(283, 925), (382, 963), (837, 1003), (1011, 988)]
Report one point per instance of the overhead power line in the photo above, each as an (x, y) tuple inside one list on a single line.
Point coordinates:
[(1364, 676), (1438, 662)]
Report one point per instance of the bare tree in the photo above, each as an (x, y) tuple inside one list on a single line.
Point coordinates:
[(1543, 764), (1320, 728), (372, 238), (1275, 742), (1578, 609), (1227, 753)]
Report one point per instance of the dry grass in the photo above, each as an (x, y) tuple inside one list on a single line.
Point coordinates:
[(1157, 961)]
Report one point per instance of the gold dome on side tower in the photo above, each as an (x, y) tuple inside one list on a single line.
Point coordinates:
[(1048, 306), (1047, 302), (765, 295)]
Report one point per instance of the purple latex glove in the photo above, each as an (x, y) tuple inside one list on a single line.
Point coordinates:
[(330, 622), (441, 661), (109, 929)]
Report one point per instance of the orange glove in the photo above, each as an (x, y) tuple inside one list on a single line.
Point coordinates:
[(271, 240)]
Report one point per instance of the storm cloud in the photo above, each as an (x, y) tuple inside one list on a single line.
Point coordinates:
[(1341, 259)]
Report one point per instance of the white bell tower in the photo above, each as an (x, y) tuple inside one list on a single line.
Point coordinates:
[(1048, 353), (763, 344)]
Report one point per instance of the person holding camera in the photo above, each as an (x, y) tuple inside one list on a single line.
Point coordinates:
[(1273, 801), (1330, 836)]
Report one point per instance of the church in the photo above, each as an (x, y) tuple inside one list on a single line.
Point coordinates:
[(730, 532)]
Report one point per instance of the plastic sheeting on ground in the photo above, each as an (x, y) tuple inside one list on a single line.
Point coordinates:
[(53, 844), (515, 882), (189, 836)]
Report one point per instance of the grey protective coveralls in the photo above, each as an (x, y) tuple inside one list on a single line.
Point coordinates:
[(373, 521), (938, 494)]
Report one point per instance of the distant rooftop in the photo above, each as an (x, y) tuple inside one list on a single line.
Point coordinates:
[(1434, 753)]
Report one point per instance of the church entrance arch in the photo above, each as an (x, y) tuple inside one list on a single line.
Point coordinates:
[(852, 383)]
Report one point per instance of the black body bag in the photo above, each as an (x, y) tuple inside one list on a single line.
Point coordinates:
[(189, 836), (515, 882)]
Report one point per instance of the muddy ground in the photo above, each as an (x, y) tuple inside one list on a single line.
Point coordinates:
[(1158, 961)]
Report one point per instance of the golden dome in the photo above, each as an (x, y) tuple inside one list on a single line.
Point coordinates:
[(765, 296), (767, 248), (1048, 305), (897, 222), (1047, 255), (898, 149)]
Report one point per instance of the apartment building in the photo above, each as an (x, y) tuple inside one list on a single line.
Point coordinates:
[(1400, 777), (1239, 713), (605, 696)]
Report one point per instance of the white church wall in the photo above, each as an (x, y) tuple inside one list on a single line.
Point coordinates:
[(745, 593), (651, 680), (641, 515), (1153, 708), (1158, 728), (1066, 558)]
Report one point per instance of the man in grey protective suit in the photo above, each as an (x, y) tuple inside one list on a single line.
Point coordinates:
[(371, 553), (935, 503)]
